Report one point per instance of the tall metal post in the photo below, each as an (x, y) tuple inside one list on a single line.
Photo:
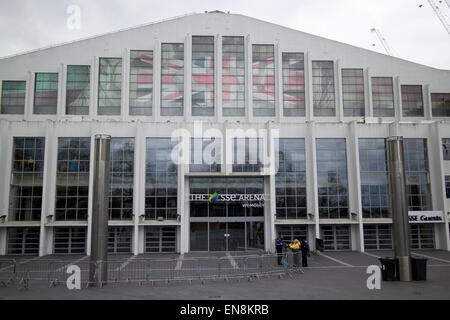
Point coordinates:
[(399, 206), (99, 243)]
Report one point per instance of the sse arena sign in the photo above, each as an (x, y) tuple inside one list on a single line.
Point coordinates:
[(426, 216)]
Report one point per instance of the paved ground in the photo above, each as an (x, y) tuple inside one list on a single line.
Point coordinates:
[(332, 275)]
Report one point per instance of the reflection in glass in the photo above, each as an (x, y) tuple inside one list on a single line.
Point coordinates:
[(332, 181), (141, 83), (323, 88), (233, 76), (263, 66), (293, 85)]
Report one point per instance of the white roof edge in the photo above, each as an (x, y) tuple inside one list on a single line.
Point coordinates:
[(98, 35), (212, 12), (343, 43)]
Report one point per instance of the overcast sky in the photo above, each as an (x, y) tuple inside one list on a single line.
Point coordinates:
[(414, 33)]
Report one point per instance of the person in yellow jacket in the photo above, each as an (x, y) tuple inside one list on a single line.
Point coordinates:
[(295, 247)]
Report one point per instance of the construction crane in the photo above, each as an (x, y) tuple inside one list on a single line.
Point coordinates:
[(383, 41), (441, 15)]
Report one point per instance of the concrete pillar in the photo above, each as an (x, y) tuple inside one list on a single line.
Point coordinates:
[(99, 247), (399, 206)]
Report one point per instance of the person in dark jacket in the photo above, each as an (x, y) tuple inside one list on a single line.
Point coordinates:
[(304, 247), (279, 245)]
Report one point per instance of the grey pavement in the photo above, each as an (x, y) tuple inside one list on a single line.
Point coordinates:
[(331, 275)]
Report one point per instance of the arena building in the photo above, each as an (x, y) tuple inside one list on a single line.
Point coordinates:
[(316, 110)]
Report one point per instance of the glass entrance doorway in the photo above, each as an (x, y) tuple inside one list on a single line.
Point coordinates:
[(226, 214)]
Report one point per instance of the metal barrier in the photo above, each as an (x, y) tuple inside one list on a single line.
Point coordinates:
[(7, 271), (153, 271)]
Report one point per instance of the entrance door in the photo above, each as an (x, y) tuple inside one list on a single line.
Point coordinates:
[(226, 236), (217, 236), (236, 236)]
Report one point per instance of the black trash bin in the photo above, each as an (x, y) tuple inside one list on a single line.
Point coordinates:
[(389, 268), (419, 268)]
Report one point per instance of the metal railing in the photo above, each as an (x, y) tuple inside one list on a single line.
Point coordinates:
[(144, 271)]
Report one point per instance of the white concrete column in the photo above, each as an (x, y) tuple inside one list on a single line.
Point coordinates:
[(269, 190), (311, 176), (182, 204), (278, 83), (249, 78), (93, 108), (3, 239), (398, 99), (29, 105), (185, 214), (6, 142), (156, 105), (62, 80), (426, 96), (5, 172), (309, 109), (188, 77), (437, 177), (354, 183), (93, 130), (139, 183), (27, 112), (338, 91), (49, 184), (124, 109), (368, 93), (218, 78)]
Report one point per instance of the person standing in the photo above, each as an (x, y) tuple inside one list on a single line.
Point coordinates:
[(295, 247), (279, 245), (304, 247)]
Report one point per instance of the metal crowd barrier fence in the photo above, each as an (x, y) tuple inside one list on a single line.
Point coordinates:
[(7, 271), (152, 271)]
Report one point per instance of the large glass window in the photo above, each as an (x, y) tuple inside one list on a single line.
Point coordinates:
[(202, 76), (263, 80), (78, 90), (323, 88), (46, 93), (440, 104), (446, 148), (233, 76), (27, 179), (353, 92), (417, 175), (247, 155), (374, 178), (383, 97), (377, 236), (119, 239), (110, 86), (121, 183), (70, 240), (172, 79), (332, 180), (412, 101), (23, 240), (13, 97), (293, 85), (290, 180), (72, 179), (141, 83), (161, 180), (205, 155)]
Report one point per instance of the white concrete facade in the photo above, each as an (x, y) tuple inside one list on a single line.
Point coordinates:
[(180, 30)]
